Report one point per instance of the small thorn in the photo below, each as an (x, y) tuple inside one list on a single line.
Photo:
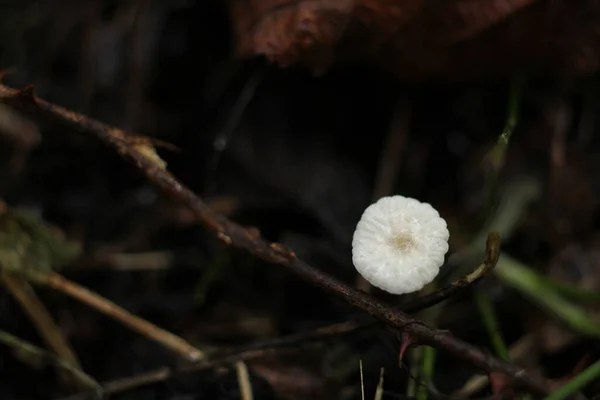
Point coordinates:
[(28, 91), (501, 386), (26, 95), (406, 342)]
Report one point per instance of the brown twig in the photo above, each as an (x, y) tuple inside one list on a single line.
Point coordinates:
[(19, 136), (20, 289), (159, 335), (251, 240), (244, 380), (162, 374)]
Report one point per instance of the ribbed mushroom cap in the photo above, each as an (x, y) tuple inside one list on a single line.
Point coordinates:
[(399, 244)]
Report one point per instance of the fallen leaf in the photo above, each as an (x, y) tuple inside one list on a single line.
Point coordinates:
[(418, 39)]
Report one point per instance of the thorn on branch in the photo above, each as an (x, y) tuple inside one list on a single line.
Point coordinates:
[(26, 95), (406, 341), (501, 387)]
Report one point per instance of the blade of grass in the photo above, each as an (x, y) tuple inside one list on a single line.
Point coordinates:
[(488, 314), (532, 285), (571, 291), (497, 155), (43, 355), (379, 391), (428, 353), (427, 372), (590, 374), (416, 357)]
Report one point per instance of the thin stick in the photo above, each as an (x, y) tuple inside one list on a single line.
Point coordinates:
[(362, 380), (161, 374), (20, 289), (379, 390), (244, 380), (251, 241), (159, 335), (519, 352)]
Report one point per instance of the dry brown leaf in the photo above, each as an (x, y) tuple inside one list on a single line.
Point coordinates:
[(417, 39), (290, 382)]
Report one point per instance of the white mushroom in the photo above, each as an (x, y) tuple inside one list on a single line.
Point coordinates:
[(399, 244)]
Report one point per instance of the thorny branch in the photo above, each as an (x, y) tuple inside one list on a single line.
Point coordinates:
[(250, 240)]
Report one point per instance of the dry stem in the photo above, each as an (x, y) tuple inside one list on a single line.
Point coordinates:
[(159, 335), (20, 289)]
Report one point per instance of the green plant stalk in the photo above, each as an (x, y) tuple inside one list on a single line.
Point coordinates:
[(497, 155), (572, 291), (488, 314), (379, 390), (427, 361), (427, 372), (41, 355), (210, 274), (532, 284), (590, 374), (416, 356)]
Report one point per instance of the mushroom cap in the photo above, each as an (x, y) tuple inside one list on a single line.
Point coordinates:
[(399, 244)]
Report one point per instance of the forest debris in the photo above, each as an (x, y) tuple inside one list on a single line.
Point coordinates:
[(27, 244), (167, 339), (47, 328), (244, 380), (416, 40), (289, 381), (286, 32), (524, 352), (30, 248)]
